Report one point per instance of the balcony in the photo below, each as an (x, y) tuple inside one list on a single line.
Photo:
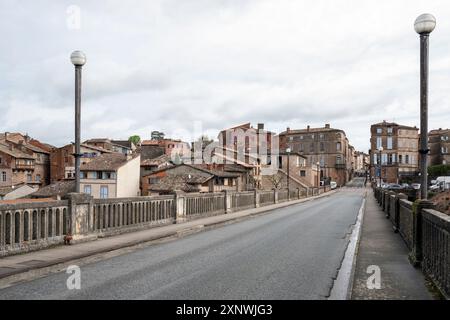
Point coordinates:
[(23, 166)]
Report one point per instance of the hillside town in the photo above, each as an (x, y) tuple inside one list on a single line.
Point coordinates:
[(238, 160)]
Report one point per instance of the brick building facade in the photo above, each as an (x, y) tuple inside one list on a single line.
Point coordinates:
[(399, 158), (326, 146), (439, 145)]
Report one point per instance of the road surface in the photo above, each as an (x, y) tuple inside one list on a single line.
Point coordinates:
[(291, 253)]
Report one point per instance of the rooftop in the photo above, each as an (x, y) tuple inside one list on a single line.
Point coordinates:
[(106, 162), (60, 188)]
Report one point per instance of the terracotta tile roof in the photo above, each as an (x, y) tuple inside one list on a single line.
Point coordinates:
[(60, 188), (105, 162), (15, 152)]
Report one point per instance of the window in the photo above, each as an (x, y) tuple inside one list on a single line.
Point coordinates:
[(0, 160), (104, 192), (301, 137), (29, 178), (108, 175), (338, 146), (4, 176), (87, 189), (375, 158), (322, 147), (302, 173), (406, 159), (444, 150), (311, 147), (379, 143), (389, 130), (400, 158), (38, 178), (82, 175), (339, 159), (379, 130), (321, 136), (384, 158), (301, 147), (153, 180), (389, 142)]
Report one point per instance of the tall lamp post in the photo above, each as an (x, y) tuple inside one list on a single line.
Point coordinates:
[(78, 59), (318, 174), (424, 25), (288, 151), (381, 163)]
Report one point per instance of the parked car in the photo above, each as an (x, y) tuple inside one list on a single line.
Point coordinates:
[(415, 186), (333, 185), (435, 187), (394, 187)]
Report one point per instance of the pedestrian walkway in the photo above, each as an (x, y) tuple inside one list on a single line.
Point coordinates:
[(13, 265), (381, 248)]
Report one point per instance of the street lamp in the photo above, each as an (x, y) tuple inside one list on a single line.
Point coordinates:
[(318, 174), (381, 162), (78, 59), (424, 25), (288, 151)]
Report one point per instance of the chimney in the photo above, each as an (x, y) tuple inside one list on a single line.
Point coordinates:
[(288, 129), (327, 126), (260, 126), (307, 128)]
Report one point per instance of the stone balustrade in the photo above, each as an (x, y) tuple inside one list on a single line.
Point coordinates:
[(425, 231), (33, 226)]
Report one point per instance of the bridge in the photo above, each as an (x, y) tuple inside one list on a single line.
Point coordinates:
[(257, 245)]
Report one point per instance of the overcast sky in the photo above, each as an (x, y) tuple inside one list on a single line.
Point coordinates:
[(182, 66)]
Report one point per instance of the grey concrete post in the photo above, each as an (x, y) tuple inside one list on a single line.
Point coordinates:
[(227, 199), (416, 254), (80, 211), (180, 207), (275, 195), (298, 193), (256, 199), (399, 197)]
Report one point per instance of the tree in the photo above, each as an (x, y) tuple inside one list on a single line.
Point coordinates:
[(276, 180), (439, 170), (136, 140)]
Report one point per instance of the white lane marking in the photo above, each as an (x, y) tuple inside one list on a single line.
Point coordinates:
[(343, 283)]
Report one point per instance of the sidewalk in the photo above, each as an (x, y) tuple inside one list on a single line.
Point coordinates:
[(380, 246), (13, 265)]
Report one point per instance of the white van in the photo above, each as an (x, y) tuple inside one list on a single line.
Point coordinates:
[(333, 185), (442, 183)]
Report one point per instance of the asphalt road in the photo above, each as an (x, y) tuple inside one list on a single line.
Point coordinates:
[(290, 253)]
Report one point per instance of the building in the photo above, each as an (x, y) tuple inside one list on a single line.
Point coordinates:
[(325, 146), (120, 146), (16, 192), (399, 158), (174, 148), (301, 174), (18, 167), (55, 191), (188, 178), (439, 144), (37, 173), (111, 175), (62, 161), (361, 163)]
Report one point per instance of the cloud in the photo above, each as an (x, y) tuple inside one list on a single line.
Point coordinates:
[(169, 65)]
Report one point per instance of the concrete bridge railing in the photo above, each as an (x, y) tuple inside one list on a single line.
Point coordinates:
[(425, 231), (33, 226)]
